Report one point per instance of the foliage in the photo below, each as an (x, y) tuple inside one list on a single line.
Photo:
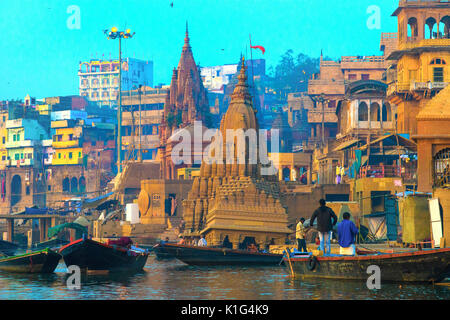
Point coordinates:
[(291, 74), (170, 119)]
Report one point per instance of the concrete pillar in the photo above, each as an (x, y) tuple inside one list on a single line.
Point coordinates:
[(10, 230), (42, 229)]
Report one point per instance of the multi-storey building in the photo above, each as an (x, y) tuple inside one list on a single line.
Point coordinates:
[(144, 144), (99, 79), (3, 136), (216, 78), (328, 87), (419, 67)]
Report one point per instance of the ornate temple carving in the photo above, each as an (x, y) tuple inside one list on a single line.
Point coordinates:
[(185, 103), (232, 198)]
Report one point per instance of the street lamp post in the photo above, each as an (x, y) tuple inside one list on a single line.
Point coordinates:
[(140, 128), (115, 34)]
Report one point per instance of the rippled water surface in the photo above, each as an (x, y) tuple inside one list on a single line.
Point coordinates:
[(171, 279)]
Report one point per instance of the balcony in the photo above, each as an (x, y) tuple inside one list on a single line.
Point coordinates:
[(66, 144), (413, 43), (315, 115), (20, 144), (389, 171), (428, 85), (147, 141), (398, 88), (21, 162)]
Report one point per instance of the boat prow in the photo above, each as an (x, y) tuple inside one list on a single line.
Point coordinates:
[(43, 261)]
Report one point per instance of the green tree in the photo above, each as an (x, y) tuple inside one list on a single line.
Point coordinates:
[(291, 74)]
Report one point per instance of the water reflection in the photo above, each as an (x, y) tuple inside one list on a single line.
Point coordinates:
[(171, 279)]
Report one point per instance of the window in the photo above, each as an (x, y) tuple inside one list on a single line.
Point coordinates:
[(17, 156), (3, 158), (4, 140), (21, 156), (27, 190), (365, 76), (79, 154), (49, 188), (59, 155), (14, 137), (70, 155), (363, 112), (438, 74), (352, 76), (437, 61)]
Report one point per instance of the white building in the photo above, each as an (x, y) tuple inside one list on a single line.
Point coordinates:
[(99, 79), (216, 77)]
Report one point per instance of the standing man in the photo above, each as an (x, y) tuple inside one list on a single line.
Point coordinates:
[(347, 231), (300, 235), (326, 219)]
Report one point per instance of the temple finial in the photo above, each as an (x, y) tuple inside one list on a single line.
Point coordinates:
[(186, 39)]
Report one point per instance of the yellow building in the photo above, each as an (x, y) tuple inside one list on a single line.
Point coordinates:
[(419, 67), (3, 139), (67, 143)]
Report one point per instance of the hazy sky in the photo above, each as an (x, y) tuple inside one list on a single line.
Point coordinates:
[(40, 53)]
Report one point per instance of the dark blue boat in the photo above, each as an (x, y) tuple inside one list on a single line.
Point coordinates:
[(207, 256), (92, 255)]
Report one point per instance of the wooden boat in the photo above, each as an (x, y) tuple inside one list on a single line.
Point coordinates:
[(8, 248), (43, 261), (162, 253), (428, 265), (51, 243), (218, 256), (92, 255)]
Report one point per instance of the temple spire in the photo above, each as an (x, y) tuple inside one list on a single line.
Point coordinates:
[(186, 39)]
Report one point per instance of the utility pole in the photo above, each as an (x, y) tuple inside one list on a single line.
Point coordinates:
[(115, 34), (140, 132)]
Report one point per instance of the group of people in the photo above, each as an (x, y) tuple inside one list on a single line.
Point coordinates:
[(201, 242), (326, 220)]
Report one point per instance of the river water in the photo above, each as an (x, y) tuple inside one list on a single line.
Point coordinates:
[(172, 279)]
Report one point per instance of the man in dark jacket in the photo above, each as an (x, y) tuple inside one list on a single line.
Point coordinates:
[(326, 219)]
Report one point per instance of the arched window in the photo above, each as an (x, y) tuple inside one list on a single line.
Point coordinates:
[(66, 185), (363, 112), (375, 112), (82, 184), (430, 28), (16, 189), (438, 61), (441, 168), (74, 185), (446, 27), (413, 29), (387, 112)]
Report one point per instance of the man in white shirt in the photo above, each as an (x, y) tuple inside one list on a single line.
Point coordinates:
[(202, 241)]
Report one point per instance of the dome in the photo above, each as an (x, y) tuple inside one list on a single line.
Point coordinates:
[(240, 113)]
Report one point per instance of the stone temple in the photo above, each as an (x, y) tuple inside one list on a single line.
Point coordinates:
[(234, 200)]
